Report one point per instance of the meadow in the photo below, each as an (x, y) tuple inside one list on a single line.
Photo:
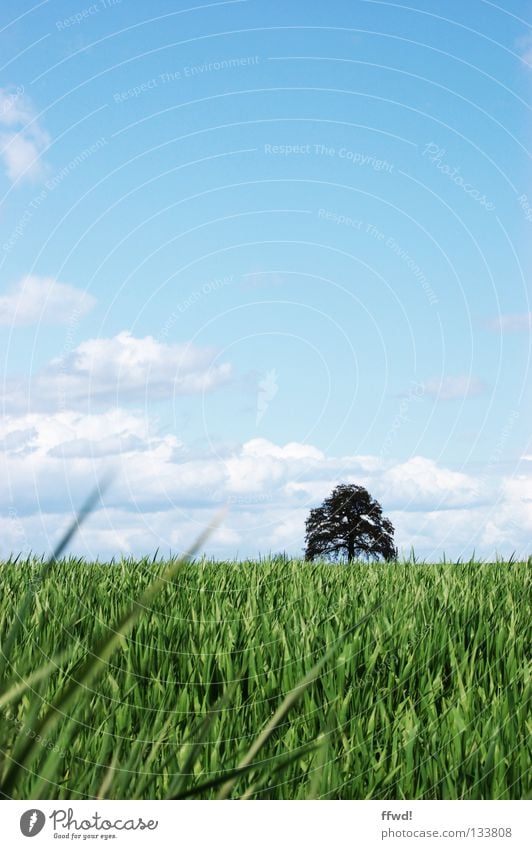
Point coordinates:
[(276, 679)]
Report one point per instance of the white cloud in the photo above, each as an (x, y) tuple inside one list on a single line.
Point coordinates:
[(450, 388), (126, 364), (20, 155), (164, 496), (15, 108), (43, 299), (117, 370), (22, 139), (421, 484), (290, 451)]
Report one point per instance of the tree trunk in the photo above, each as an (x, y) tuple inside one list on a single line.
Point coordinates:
[(350, 548)]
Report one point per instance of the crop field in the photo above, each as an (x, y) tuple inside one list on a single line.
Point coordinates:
[(268, 680)]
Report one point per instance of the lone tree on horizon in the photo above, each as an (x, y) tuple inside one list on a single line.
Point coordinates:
[(349, 523)]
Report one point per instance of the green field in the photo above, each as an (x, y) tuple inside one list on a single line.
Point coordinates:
[(427, 698)]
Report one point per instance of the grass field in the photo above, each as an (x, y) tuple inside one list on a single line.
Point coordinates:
[(159, 691)]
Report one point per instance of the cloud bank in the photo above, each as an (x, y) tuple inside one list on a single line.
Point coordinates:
[(164, 494)]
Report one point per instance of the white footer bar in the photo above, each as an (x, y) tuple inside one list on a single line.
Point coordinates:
[(263, 825)]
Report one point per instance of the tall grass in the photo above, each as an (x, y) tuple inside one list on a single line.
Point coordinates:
[(277, 679)]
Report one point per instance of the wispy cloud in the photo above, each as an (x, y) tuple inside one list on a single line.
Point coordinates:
[(450, 388), (524, 48), (512, 322), (22, 139), (267, 390), (43, 299)]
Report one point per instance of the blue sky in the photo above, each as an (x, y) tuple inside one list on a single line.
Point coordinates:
[(250, 250)]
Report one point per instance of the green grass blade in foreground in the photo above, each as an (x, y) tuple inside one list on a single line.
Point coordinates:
[(288, 702), (22, 612), (321, 757), (97, 659), (107, 781)]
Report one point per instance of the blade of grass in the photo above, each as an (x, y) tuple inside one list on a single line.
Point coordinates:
[(107, 781), (321, 757)]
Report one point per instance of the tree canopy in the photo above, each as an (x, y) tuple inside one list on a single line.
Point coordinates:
[(349, 524)]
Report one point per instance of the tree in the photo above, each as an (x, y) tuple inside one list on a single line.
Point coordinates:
[(349, 523)]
